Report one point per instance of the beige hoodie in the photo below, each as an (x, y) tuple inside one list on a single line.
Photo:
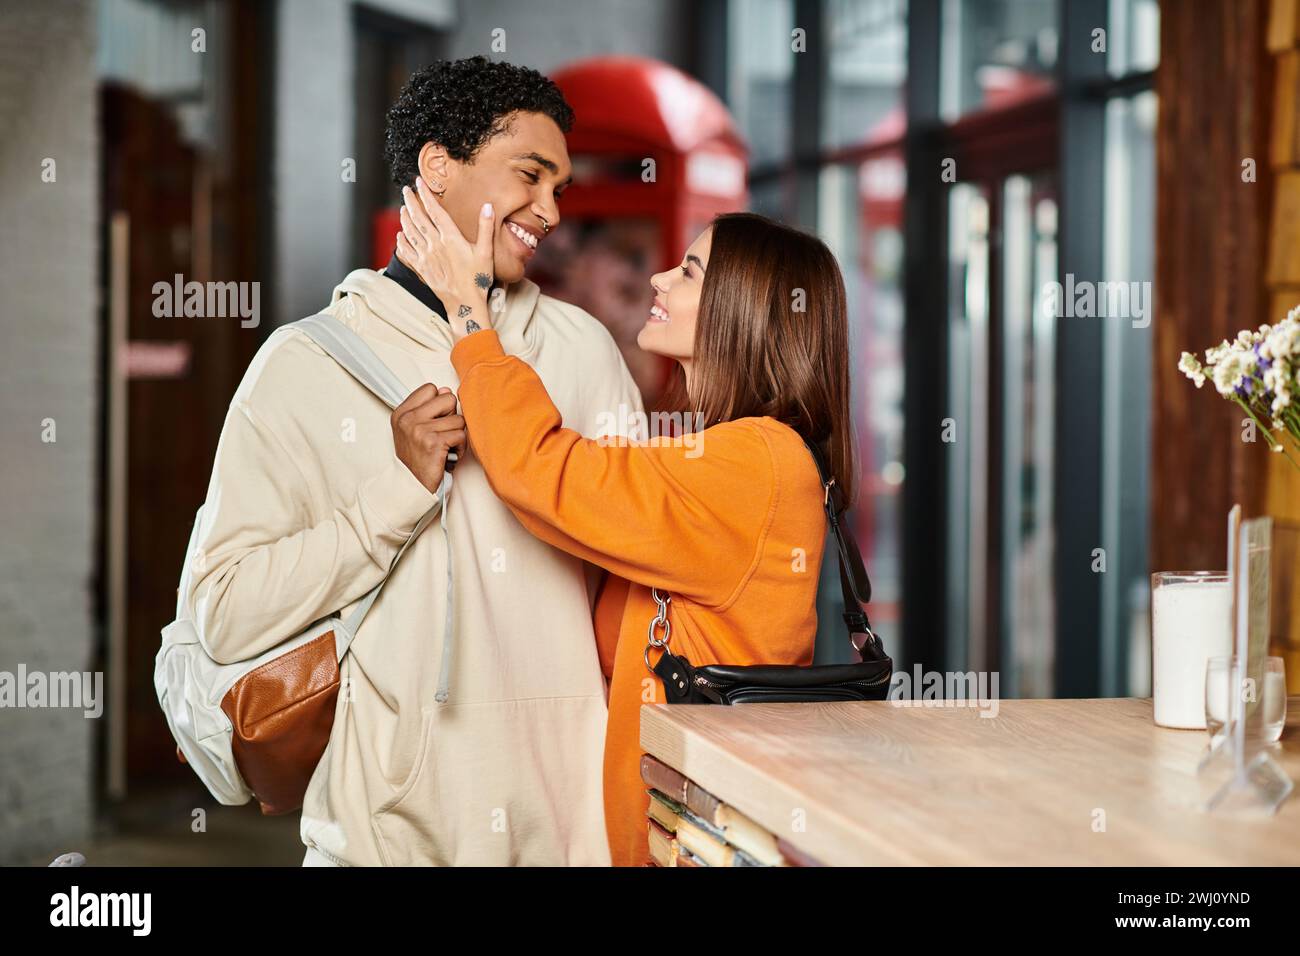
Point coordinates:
[(307, 506)]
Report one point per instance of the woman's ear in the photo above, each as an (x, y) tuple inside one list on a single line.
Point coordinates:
[(434, 165)]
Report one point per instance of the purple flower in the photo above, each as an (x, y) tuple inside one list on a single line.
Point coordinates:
[(1262, 362)]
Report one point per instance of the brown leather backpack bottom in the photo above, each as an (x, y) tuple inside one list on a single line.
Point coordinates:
[(282, 714)]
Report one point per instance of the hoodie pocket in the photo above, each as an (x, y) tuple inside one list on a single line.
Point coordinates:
[(405, 826)]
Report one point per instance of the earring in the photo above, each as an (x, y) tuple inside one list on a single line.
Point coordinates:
[(437, 187)]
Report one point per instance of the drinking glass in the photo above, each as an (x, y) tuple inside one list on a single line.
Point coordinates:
[(1191, 621), (1218, 684), (1273, 697)]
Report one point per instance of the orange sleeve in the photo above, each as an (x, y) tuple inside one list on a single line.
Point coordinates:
[(686, 515)]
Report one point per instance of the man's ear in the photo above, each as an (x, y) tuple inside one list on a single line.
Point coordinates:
[(434, 165)]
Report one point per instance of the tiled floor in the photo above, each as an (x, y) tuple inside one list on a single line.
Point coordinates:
[(158, 828)]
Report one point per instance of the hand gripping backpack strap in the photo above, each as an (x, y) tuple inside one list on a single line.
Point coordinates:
[(359, 360), (350, 350)]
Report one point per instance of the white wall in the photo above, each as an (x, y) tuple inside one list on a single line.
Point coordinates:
[(546, 34), (48, 369), (314, 123)]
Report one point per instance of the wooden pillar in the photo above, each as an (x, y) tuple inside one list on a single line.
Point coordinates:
[(1215, 85), (1283, 280)]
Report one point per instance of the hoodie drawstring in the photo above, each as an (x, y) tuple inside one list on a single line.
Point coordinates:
[(448, 627)]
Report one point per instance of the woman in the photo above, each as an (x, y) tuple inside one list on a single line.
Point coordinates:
[(729, 520)]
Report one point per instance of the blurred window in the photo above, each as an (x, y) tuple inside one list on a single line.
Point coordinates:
[(1029, 264), (1130, 190), (995, 53), (995, 102), (966, 545), (862, 222), (862, 186), (1003, 581), (1133, 40), (867, 68), (850, 190), (760, 69)]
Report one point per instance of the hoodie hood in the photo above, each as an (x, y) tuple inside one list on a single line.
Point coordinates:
[(514, 323)]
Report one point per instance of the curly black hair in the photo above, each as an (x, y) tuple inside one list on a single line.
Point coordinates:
[(460, 105)]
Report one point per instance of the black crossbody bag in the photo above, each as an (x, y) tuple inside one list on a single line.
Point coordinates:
[(866, 679)]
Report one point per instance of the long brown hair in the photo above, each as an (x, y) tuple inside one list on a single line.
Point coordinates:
[(771, 338)]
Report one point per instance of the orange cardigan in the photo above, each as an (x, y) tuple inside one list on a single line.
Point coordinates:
[(731, 525)]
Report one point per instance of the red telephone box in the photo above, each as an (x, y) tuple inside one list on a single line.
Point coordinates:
[(650, 141)]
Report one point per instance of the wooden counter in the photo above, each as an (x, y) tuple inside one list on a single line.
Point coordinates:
[(857, 784)]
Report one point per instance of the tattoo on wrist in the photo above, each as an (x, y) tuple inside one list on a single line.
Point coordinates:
[(463, 311), (482, 280), (472, 326)]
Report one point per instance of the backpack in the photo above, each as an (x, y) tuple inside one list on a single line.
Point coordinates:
[(258, 727)]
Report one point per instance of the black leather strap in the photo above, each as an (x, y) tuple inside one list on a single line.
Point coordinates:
[(855, 585), (676, 675)]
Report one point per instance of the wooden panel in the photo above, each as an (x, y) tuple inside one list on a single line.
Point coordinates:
[(1285, 151), (875, 784), (1283, 502), (1215, 87), (1283, 485), (1282, 299), (1283, 499), (1283, 25), (1284, 244)]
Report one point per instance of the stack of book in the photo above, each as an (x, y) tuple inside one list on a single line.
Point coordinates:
[(689, 826)]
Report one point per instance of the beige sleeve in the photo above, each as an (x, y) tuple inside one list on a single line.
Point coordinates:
[(616, 402), (266, 566)]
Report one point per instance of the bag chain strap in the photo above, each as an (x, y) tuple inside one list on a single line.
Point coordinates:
[(659, 620)]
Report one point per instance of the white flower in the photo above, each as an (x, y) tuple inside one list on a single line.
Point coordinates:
[(1188, 365), (1277, 382), (1283, 342), (1232, 370), (1260, 369), (1212, 355)]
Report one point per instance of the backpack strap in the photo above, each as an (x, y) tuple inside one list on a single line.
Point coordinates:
[(359, 360), (350, 350)]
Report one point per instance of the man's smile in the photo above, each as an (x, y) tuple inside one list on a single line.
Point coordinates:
[(526, 238)]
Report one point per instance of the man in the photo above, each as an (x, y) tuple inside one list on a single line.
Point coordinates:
[(482, 746)]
